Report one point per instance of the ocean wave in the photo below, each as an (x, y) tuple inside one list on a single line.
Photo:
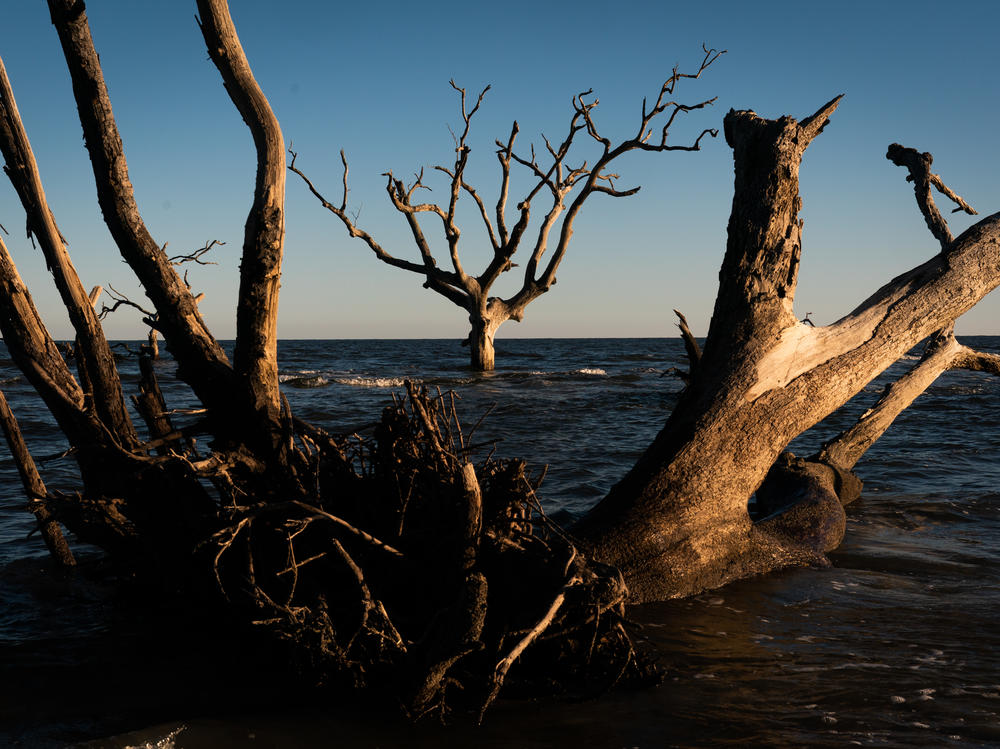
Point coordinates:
[(297, 374), (589, 371), (374, 382), (312, 381)]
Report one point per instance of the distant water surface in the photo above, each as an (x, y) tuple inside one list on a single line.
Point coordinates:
[(895, 645)]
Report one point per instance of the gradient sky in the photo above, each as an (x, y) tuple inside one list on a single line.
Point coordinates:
[(372, 78)]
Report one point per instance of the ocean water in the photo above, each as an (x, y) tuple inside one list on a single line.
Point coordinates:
[(895, 644)]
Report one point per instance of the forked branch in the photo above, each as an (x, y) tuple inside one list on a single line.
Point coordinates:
[(561, 179), (555, 175), (942, 352), (919, 167)]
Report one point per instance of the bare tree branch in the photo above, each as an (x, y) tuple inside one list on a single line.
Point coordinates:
[(37, 356), (122, 300), (98, 367), (255, 354), (197, 255), (201, 361), (942, 352), (557, 175), (592, 177), (34, 487), (919, 167)]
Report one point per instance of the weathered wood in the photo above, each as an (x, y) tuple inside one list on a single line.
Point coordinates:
[(201, 361), (97, 363), (307, 523), (483, 327), (296, 534), (919, 166), (255, 357), (82, 371), (153, 344), (37, 356), (943, 353), (678, 521), (150, 402), (691, 347), (34, 487)]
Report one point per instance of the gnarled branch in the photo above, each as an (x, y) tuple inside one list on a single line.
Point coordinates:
[(201, 360), (96, 362)]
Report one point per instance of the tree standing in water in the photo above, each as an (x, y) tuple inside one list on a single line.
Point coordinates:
[(566, 187), (400, 563)]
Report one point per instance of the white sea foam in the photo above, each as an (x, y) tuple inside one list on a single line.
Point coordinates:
[(313, 381), (373, 382), (594, 371), (297, 375)]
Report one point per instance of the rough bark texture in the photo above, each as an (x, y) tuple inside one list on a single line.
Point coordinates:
[(397, 563), (255, 357), (201, 361), (375, 562), (678, 522), (97, 363), (36, 355)]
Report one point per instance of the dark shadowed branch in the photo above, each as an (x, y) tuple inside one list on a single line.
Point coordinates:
[(567, 183), (919, 167)]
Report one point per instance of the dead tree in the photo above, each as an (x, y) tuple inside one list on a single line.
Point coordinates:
[(376, 562), (402, 563), (568, 188), (678, 522)]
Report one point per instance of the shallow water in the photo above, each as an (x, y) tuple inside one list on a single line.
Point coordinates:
[(894, 645)]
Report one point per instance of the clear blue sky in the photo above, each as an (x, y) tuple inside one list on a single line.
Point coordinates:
[(372, 78)]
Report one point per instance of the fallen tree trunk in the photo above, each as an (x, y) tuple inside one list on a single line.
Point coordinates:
[(679, 522)]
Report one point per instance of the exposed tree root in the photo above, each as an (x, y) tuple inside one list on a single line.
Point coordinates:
[(395, 564)]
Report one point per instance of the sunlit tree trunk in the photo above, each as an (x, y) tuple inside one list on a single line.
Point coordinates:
[(678, 522)]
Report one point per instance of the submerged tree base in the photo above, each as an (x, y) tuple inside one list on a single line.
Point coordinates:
[(412, 572)]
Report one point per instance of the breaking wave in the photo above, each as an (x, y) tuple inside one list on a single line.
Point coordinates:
[(374, 382)]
